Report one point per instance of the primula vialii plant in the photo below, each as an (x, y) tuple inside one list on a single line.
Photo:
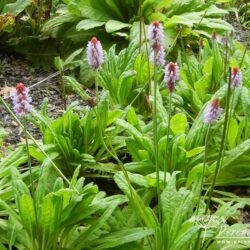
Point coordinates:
[(211, 114), (157, 54), (171, 77)]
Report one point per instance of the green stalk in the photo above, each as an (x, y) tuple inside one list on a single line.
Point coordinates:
[(34, 140), (226, 60), (168, 141), (140, 32), (203, 168), (174, 42), (231, 112), (63, 89), (198, 241), (203, 16), (147, 55), (155, 133), (222, 145), (245, 51), (25, 128), (96, 90)]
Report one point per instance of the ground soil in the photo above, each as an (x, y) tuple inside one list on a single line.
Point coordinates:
[(14, 70)]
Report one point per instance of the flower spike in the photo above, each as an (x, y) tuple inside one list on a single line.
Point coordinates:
[(171, 75), (213, 111), (21, 100), (155, 37), (94, 53), (236, 77)]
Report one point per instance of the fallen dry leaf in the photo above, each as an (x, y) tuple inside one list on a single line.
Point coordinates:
[(6, 92)]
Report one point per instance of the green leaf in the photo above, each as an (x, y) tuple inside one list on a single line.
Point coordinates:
[(125, 84), (121, 237), (58, 63), (177, 209), (17, 7), (194, 152), (114, 8), (74, 178), (232, 132), (90, 11), (235, 167), (27, 213), (216, 23), (202, 86), (178, 123), (88, 24), (113, 25), (84, 237), (245, 99), (72, 57), (14, 159), (129, 128), (193, 174), (72, 82), (208, 66), (132, 117)]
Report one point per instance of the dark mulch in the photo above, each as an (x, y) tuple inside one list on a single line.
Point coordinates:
[(14, 70)]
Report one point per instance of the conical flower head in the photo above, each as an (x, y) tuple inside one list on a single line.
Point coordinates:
[(171, 75), (236, 78), (21, 100), (155, 37), (94, 53), (213, 111)]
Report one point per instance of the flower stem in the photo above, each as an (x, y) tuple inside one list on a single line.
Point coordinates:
[(245, 51), (203, 168), (168, 141), (25, 128), (222, 145), (63, 89), (230, 114), (226, 60), (147, 56), (141, 20), (155, 133), (96, 90)]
